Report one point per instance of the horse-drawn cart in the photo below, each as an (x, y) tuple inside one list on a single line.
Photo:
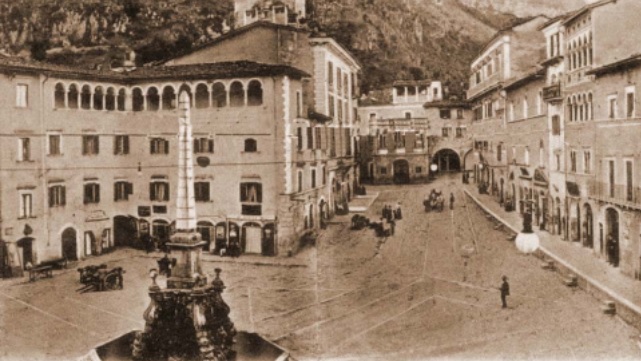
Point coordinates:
[(99, 278)]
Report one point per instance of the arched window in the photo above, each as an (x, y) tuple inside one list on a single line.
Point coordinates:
[(98, 98), (254, 93), (526, 156), (59, 96), (137, 100), (202, 96), (236, 94), (590, 107), (85, 97), (219, 95), (168, 98), (251, 145), (187, 89), (110, 99), (121, 99), (72, 97), (153, 99)]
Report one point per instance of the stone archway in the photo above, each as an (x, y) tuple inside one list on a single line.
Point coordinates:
[(69, 244), (447, 160)]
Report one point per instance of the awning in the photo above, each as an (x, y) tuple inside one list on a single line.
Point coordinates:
[(525, 173), (573, 189), (319, 117), (539, 177)]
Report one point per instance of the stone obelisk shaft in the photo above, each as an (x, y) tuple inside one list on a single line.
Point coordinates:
[(185, 241), (185, 202)]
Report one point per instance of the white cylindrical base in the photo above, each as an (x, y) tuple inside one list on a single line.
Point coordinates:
[(527, 242)]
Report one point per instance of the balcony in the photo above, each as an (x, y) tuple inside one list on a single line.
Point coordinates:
[(552, 93), (617, 194), (400, 123)]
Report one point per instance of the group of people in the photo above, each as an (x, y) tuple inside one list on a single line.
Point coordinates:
[(435, 199), (389, 216)]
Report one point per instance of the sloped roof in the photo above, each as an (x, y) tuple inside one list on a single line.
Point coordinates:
[(222, 70)]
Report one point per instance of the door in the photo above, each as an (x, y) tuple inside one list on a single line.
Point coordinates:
[(69, 246), (26, 244), (253, 239)]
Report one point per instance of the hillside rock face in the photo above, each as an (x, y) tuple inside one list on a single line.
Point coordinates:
[(392, 39), (527, 8)]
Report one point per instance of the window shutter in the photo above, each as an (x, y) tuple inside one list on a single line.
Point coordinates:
[(166, 142), (207, 191), (50, 197), (63, 195), (196, 147), (151, 146), (211, 145), (97, 144), (130, 188), (85, 199), (116, 191), (166, 191), (116, 139), (126, 144), (152, 191), (97, 188), (84, 145)]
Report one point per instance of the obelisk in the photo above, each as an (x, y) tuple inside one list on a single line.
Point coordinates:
[(185, 243)]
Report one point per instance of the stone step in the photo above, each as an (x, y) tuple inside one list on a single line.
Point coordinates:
[(571, 281), (609, 308), (548, 265)]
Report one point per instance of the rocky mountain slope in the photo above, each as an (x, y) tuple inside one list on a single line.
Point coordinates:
[(393, 39)]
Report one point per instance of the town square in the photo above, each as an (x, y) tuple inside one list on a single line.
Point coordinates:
[(320, 180)]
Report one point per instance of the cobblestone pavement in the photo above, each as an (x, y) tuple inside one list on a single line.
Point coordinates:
[(429, 291)]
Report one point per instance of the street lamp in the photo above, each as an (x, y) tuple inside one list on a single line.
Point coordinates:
[(433, 169)]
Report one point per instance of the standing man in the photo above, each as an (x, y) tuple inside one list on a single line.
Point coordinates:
[(451, 201), (505, 291)]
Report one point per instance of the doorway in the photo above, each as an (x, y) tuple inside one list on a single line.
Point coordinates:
[(69, 245), (26, 244)]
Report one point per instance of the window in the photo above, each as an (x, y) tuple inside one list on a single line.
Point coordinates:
[(90, 145), (310, 138), (558, 161), (445, 113), (331, 106), (611, 177), (612, 106), (54, 144), (330, 75), (219, 95), (587, 162), (202, 96), (556, 125), (446, 132), (459, 113), (324, 176), (573, 161), (254, 93), (98, 98), (57, 196), (203, 145), (630, 102), (153, 99), (299, 136), (459, 132), (26, 205), (159, 146), (168, 98), (251, 145), (236, 94), (159, 191), (251, 197), (22, 92), (419, 170), (313, 178), (628, 180), (92, 193), (59, 96), (408, 115), (121, 144), (499, 152), (317, 138), (85, 97), (24, 149), (300, 181), (539, 103), (201, 191), (122, 190), (332, 143), (383, 170), (299, 104)]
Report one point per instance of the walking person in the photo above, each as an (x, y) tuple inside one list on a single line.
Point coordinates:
[(505, 291), (392, 226), (399, 214), (451, 201)]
